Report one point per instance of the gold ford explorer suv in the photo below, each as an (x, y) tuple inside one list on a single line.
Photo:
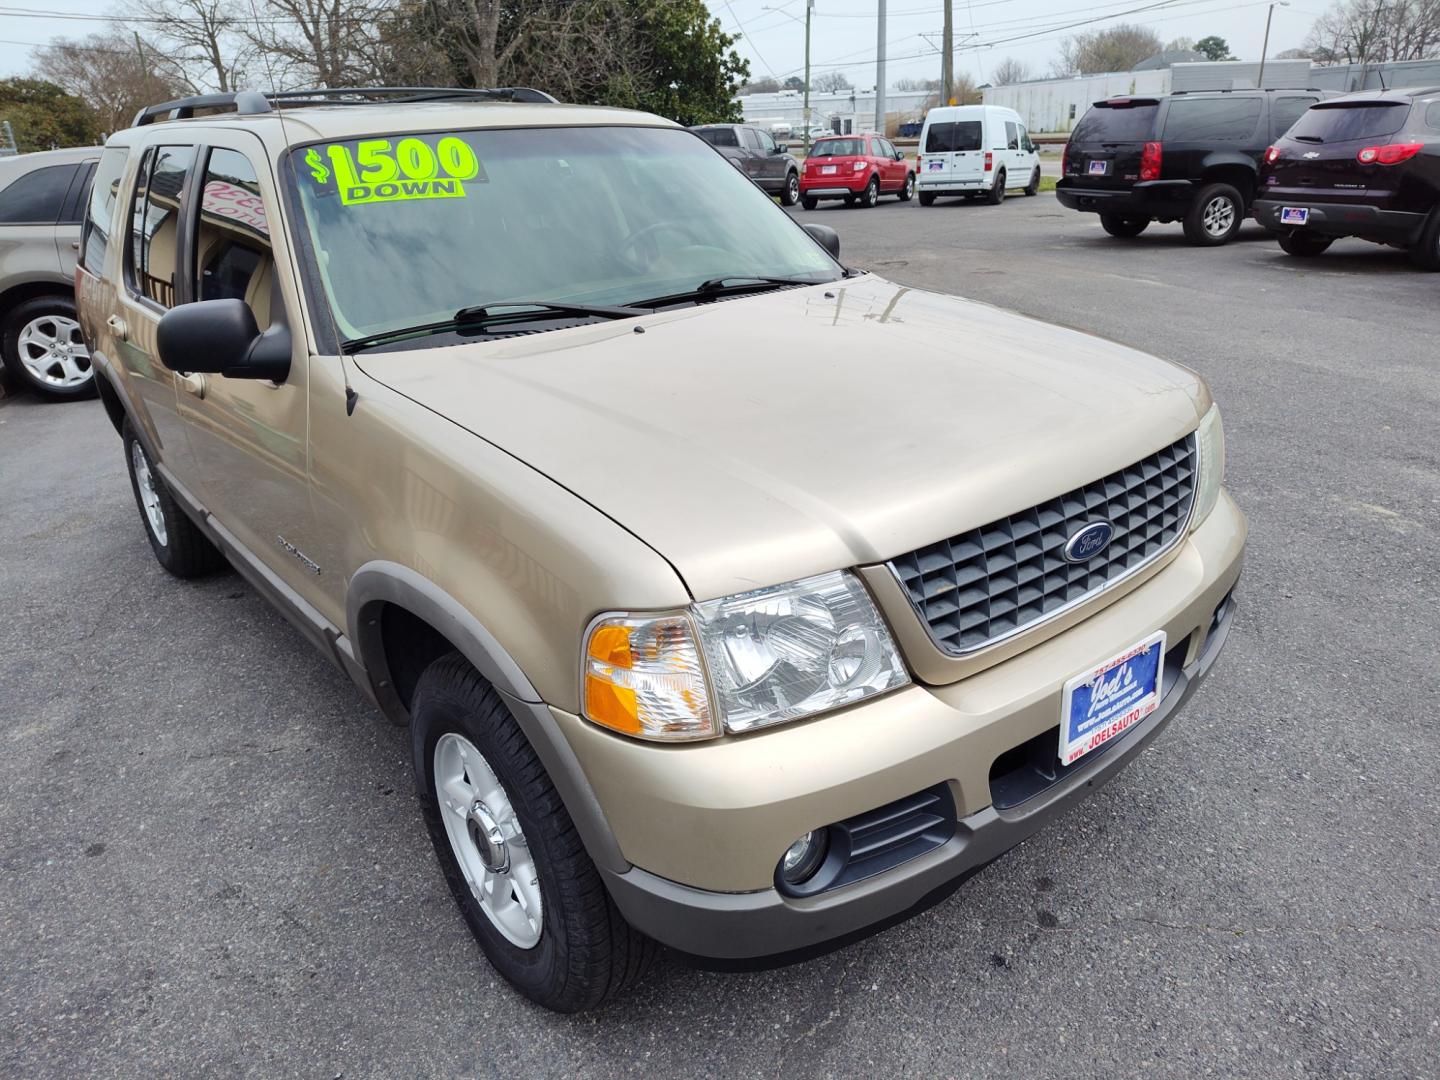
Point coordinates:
[(736, 600)]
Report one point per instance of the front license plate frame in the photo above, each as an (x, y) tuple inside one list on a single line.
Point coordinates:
[(1294, 215), (1105, 701)]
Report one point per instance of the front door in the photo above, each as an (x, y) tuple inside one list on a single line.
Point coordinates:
[(249, 435)]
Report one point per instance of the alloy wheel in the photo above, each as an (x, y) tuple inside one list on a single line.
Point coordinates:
[(149, 495), (53, 352), (1218, 217), (487, 841)]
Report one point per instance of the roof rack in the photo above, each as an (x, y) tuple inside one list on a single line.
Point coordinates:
[(1252, 90), (253, 102)]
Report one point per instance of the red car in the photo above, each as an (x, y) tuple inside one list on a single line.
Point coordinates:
[(856, 168)]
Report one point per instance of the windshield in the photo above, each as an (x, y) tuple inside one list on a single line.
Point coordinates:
[(1346, 123), (838, 148), (410, 229)]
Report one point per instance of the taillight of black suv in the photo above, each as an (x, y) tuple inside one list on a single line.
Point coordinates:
[(1366, 165)]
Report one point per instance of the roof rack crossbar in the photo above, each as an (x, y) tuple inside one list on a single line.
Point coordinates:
[(252, 102), (1252, 90)]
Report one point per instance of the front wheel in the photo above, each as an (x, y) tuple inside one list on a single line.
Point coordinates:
[(790, 194), (809, 202), (996, 195), (908, 191), (1304, 245), (1215, 216), (509, 850), (871, 194), (1123, 227), (1033, 188), (42, 348), (179, 545)]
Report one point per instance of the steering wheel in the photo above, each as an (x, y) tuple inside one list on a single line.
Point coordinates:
[(629, 250)]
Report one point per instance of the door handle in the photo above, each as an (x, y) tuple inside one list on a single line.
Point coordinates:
[(118, 327), (192, 383)]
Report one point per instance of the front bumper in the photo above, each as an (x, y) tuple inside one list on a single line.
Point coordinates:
[(704, 825), (1344, 219), (1164, 199)]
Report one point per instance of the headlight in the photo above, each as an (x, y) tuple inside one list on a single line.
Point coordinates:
[(772, 655), (1210, 445)]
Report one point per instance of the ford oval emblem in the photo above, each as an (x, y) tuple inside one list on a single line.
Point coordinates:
[(1089, 541)]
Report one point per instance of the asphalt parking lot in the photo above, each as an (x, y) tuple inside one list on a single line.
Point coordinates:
[(211, 861)]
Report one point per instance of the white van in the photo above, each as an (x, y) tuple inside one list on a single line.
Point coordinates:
[(975, 150)]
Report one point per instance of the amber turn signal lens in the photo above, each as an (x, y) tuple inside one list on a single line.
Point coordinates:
[(643, 677)]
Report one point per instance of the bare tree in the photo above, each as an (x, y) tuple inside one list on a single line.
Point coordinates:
[(911, 85), (115, 73), (1116, 48), (830, 82), (318, 42), (204, 39), (1009, 70), (1376, 30)]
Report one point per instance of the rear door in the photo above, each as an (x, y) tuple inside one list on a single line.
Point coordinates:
[(1319, 160), (954, 151), (67, 229), (1105, 147), (31, 205)]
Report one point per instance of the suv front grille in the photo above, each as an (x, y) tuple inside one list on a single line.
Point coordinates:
[(990, 583)]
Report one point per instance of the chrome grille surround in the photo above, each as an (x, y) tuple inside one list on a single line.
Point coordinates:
[(981, 587)]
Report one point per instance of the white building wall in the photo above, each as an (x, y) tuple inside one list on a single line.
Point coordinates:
[(1054, 105), (788, 106)]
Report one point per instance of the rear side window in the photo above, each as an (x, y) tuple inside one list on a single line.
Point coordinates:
[(953, 137), (1107, 122), (154, 222), (719, 136), (1211, 120), (1432, 116), (100, 213), (35, 198), (838, 148), (1285, 111), (1349, 123)]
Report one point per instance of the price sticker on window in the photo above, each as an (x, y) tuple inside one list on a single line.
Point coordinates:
[(384, 170)]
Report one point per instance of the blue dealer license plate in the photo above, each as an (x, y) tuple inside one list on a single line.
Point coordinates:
[(1108, 700), (1294, 215)]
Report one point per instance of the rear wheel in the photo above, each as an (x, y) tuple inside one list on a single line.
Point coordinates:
[(42, 348), (1304, 245), (1033, 188), (871, 194), (1426, 253), (1124, 227), (790, 194), (996, 194), (809, 202), (927, 198), (509, 850), (1215, 216)]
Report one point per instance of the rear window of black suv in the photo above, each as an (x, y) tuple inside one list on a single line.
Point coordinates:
[(1350, 122), (1118, 121), (1211, 120)]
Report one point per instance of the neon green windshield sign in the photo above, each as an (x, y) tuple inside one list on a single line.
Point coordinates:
[(378, 171)]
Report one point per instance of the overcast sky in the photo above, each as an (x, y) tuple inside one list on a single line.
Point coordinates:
[(843, 31)]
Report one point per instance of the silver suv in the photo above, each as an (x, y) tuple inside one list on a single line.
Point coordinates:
[(42, 197)]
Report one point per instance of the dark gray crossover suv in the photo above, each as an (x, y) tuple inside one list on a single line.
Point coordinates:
[(755, 152), (42, 197)]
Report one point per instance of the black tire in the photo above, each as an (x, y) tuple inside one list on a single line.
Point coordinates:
[(927, 198), (808, 202), (1214, 218), (38, 310), (184, 550), (586, 951), (849, 201), (1426, 252), (907, 192), (790, 194), (871, 195), (1123, 227), (1033, 188), (1304, 245), (996, 195)]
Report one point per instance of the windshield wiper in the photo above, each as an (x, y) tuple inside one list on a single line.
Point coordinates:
[(728, 285), (1307, 138), (497, 313)]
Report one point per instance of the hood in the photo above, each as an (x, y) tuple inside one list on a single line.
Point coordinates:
[(765, 438)]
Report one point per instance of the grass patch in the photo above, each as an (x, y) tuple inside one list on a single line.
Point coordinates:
[(1047, 183)]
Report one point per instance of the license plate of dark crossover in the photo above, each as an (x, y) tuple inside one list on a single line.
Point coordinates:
[(1109, 699), (1099, 168), (1294, 215)]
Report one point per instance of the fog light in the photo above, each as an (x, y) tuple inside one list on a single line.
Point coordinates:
[(804, 856)]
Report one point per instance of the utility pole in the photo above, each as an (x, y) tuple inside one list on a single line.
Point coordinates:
[(880, 71), (1265, 47), (947, 55), (809, 7)]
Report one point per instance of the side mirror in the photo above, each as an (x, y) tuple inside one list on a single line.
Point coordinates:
[(826, 237), (220, 337), (781, 148)]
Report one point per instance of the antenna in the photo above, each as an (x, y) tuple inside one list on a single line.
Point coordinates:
[(352, 398)]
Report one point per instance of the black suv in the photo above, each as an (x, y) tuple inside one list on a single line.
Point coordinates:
[(1364, 165), (1187, 157), (754, 152)]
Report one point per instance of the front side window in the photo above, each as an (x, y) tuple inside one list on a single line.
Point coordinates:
[(410, 229), (767, 144), (1012, 136), (951, 138), (752, 139), (100, 212), (232, 246), (35, 198), (1211, 120), (154, 222)]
